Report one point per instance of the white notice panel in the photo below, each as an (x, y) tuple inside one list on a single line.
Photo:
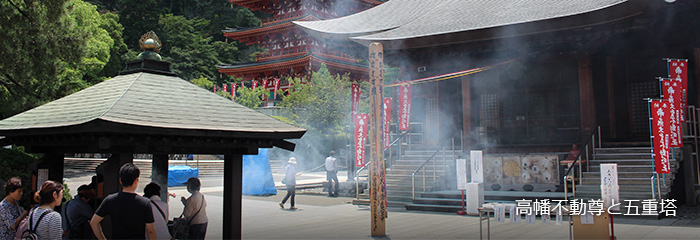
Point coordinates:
[(477, 164), (462, 174), (609, 188), (42, 176)]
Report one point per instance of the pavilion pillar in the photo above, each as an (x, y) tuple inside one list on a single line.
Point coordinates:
[(233, 186), (110, 172), (159, 174), (585, 79), (466, 113)]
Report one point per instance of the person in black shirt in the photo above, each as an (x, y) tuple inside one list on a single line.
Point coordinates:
[(132, 216)]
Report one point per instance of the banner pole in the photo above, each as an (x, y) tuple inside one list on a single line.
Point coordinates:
[(651, 138)]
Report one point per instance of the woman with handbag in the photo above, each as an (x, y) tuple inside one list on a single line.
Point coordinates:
[(290, 181), (195, 210)]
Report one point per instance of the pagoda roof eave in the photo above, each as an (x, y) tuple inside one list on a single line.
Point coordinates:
[(286, 62)]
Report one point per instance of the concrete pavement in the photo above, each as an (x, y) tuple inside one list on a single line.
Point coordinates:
[(321, 217)]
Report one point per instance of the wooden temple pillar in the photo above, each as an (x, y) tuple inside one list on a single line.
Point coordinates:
[(587, 103), (611, 97), (159, 174), (466, 113), (695, 61), (233, 186), (110, 172)]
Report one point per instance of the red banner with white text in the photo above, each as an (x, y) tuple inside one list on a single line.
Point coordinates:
[(355, 98), (277, 86), (224, 88), (405, 107), (387, 122), (660, 118), (361, 123), (255, 84), (678, 72), (233, 91), (671, 92)]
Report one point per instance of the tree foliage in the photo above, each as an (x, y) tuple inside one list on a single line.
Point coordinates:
[(40, 45), (323, 104), (251, 98)]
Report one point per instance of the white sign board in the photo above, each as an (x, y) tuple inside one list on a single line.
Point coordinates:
[(462, 174), (477, 164), (42, 176), (499, 213), (609, 188)]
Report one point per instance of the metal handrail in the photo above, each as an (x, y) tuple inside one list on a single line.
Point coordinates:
[(357, 180), (573, 164), (397, 140), (413, 175)]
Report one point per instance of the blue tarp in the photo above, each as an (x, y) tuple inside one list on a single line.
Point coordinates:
[(257, 174), (178, 174)]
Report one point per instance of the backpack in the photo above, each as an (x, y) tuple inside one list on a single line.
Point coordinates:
[(29, 232)]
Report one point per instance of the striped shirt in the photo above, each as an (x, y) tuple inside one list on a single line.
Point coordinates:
[(50, 225)]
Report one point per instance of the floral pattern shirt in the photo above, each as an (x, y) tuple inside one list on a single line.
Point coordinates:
[(8, 215)]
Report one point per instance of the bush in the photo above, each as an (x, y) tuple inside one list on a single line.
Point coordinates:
[(17, 163)]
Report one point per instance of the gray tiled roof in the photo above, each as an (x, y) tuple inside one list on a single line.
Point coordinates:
[(151, 100), (399, 20)]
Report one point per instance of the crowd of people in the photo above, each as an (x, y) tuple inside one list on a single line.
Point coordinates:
[(132, 216)]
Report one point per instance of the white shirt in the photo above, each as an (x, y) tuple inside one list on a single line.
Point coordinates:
[(330, 164), (160, 223)]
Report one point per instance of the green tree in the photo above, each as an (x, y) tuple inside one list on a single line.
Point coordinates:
[(323, 104), (187, 48), (251, 98), (40, 43), (97, 45), (110, 23), (138, 17)]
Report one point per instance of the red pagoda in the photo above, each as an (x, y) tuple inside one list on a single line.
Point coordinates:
[(290, 51)]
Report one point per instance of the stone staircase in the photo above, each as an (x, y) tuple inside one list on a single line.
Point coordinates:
[(88, 165), (635, 167), (398, 176)]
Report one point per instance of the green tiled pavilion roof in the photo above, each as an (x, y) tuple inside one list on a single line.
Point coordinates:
[(150, 100)]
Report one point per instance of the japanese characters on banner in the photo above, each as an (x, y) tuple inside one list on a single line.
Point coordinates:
[(355, 98), (678, 72), (461, 168), (224, 87), (671, 92), (609, 188), (477, 163), (255, 84), (233, 91), (361, 123), (277, 86), (405, 107), (264, 86), (660, 118), (387, 122)]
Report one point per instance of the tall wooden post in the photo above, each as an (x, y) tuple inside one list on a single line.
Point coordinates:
[(233, 180), (377, 167)]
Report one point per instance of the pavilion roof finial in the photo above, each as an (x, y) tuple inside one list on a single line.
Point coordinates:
[(150, 45)]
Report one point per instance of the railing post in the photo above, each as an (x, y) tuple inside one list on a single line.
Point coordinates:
[(413, 185), (423, 179), (444, 160)]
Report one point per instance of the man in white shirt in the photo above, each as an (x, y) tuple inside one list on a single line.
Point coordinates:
[(332, 174)]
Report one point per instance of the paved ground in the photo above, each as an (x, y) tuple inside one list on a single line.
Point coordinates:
[(321, 217)]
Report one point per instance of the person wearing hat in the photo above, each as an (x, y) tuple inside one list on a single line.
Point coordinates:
[(290, 181)]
